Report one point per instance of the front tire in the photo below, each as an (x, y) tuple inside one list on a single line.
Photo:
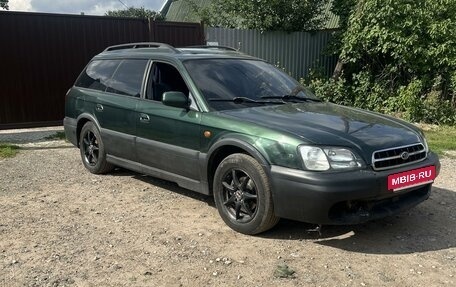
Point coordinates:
[(92, 150), (243, 196)]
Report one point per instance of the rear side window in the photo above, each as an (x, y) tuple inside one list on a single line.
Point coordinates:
[(128, 78), (97, 74)]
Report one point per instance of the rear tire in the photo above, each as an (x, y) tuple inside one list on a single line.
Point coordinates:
[(243, 196), (92, 150)]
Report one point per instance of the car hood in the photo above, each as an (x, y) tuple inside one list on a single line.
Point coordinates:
[(332, 125)]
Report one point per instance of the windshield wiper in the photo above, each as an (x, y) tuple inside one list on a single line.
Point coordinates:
[(242, 100), (286, 98)]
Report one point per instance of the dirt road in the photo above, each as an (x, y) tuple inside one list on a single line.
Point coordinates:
[(62, 226)]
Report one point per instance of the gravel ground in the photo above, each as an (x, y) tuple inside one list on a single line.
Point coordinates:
[(23, 136), (62, 226)]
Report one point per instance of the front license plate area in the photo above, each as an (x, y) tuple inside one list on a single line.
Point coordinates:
[(411, 178)]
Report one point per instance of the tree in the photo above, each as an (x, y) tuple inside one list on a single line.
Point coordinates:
[(343, 9), (402, 39), (399, 57), (4, 4), (265, 15), (136, 13)]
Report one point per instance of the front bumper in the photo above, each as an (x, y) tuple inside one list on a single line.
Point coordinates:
[(344, 197)]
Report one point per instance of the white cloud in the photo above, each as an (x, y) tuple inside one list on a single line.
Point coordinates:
[(100, 9), (89, 7), (20, 5)]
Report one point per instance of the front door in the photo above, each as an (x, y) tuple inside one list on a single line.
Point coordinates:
[(168, 138)]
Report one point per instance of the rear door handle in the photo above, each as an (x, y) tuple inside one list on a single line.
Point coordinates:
[(144, 118), (99, 107)]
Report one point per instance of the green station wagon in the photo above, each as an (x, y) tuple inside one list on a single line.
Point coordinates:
[(222, 123)]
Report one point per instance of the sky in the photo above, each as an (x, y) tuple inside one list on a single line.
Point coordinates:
[(89, 7)]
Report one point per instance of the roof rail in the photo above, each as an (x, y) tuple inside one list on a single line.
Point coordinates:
[(141, 45), (214, 47)]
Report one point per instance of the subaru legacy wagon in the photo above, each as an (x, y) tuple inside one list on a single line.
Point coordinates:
[(232, 126)]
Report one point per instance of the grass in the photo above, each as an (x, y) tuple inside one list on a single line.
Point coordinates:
[(441, 139), (56, 136), (8, 150)]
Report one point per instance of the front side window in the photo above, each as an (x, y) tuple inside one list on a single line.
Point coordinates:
[(97, 74), (127, 79), (239, 83), (164, 78)]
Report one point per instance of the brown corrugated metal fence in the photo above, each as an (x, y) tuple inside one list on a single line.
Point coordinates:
[(41, 56), (178, 34)]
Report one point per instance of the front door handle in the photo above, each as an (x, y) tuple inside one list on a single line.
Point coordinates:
[(144, 118), (99, 107)]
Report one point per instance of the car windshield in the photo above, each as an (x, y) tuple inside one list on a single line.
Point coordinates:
[(239, 83)]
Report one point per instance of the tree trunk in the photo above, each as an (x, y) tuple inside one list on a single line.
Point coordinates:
[(338, 69)]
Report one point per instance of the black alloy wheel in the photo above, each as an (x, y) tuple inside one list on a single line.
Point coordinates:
[(92, 150), (239, 195), (242, 194)]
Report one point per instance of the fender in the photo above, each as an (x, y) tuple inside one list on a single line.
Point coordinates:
[(242, 142), (89, 117), (237, 140)]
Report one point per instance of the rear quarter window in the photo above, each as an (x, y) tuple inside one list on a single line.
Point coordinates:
[(97, 74), (128, 77)]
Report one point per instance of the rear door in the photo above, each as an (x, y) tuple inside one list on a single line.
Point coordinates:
[(168, 138), (116, 90)]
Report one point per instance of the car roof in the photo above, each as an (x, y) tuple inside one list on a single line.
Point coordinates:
[(149, 50)]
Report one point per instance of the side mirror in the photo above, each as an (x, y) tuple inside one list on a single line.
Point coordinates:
[(176, 99)]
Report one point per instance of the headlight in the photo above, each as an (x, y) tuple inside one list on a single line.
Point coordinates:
[(320, 159), (314, 158)]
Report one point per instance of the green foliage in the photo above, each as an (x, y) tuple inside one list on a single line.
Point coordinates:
[(409, 102), (343, 9), (264, 15), (329, 90), (7, 150), (4, 4), (405, 38), (438, 111), (399, 57), (134, 12)]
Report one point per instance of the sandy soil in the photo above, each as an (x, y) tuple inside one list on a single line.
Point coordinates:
[(62, 226)]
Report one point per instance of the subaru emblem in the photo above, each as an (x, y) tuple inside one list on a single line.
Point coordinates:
[(405, 155)]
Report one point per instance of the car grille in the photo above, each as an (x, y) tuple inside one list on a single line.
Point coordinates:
[(398, 156)]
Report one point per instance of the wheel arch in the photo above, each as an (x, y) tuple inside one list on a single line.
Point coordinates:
[(81, 121), (226, 147)]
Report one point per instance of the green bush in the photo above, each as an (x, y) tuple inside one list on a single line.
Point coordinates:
[(437, 111), (411, 102), (399, 57), (407, 103), (330, 90)]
